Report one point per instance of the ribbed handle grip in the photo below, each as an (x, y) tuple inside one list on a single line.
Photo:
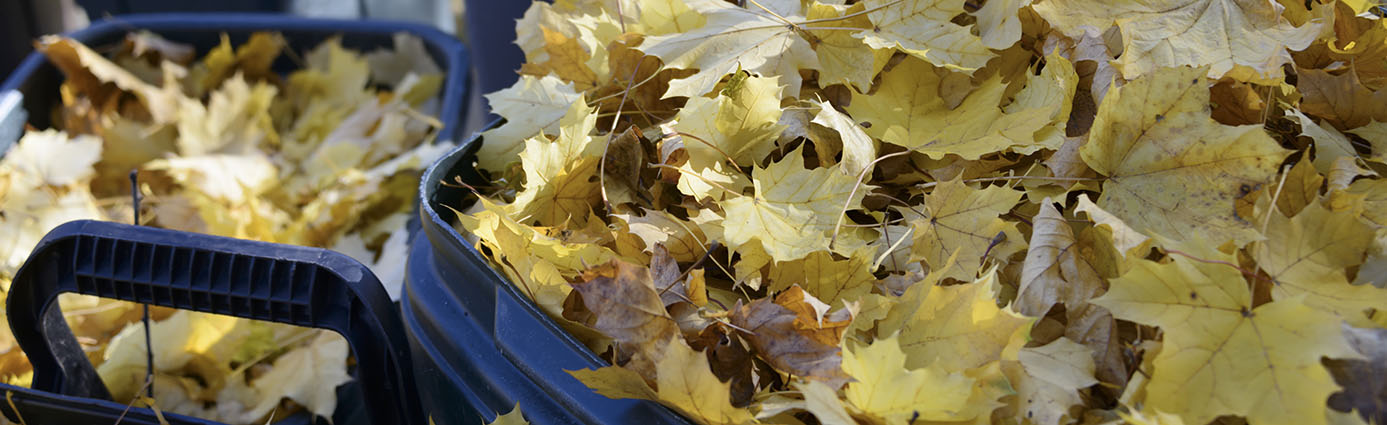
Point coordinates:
[(255, 280)]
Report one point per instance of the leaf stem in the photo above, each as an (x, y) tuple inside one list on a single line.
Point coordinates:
[(861, 176), (1009, 178)]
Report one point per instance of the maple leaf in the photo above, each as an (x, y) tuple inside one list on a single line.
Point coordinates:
[(1302, 187), (859, 150), (87, 70), (684, 382), (514, 417), (236, 119), (683, 240), (1056, 270), (906, 110), (308, 375), (924, 29), (1340, 99), (1048, 379), (567, 60), (531, 106), (252, 59), (888, 390), (558, 174), (824, 276), (739, 124), (629, 310), (793, 209), (1243, 39), (822, 401), (51, 158), (965, 219), (1052, 89), (841, 54), (667, 16), (1124, 237), (1330, 144), (733, 38), (1261, 362), (787, 341), (1154, 134), (999, 23), (1374, 198), (953, 327), (532, 259), (1307, 254)]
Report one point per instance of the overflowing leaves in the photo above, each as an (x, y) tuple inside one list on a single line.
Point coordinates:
[(320, 148), (893, 212)]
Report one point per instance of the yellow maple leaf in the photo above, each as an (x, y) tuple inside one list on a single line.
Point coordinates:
[(252, 59), (842, 56), (907, 110), (531, 106), (684, 240), (733, 38), (967, 220), (1053, 89), (308, 375), (859, 150), (1375, 133), (740, 124), (793, 210), (51, 158), (532, 259), (1048, 378), (661, 17), (684, 381), (1307, 254), (999, 25), (890, 392), (924, 29), (558, 183), (514, 417), (1374, 199), (1261, 362), (1330, 144), (1153, 136), (1244, 39), (955, 327), (567, 60), (822, 401), (831, 280), (235, 120)]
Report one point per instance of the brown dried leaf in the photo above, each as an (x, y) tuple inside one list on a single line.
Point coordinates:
[(627, 308), (789, 344)]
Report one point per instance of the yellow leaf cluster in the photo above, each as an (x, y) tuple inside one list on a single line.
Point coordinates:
[(327, 155), (1029, 211)]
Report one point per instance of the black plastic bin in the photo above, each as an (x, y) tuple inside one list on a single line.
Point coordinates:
[(301, 286), (479, 345)]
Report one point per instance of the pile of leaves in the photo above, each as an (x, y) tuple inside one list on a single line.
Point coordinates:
[(906, 211), (327, 155)]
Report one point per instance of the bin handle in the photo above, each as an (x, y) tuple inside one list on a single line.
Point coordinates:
[(296, 285)]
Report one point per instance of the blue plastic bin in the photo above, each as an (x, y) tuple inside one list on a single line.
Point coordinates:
[(479, 345), (301, 286)]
